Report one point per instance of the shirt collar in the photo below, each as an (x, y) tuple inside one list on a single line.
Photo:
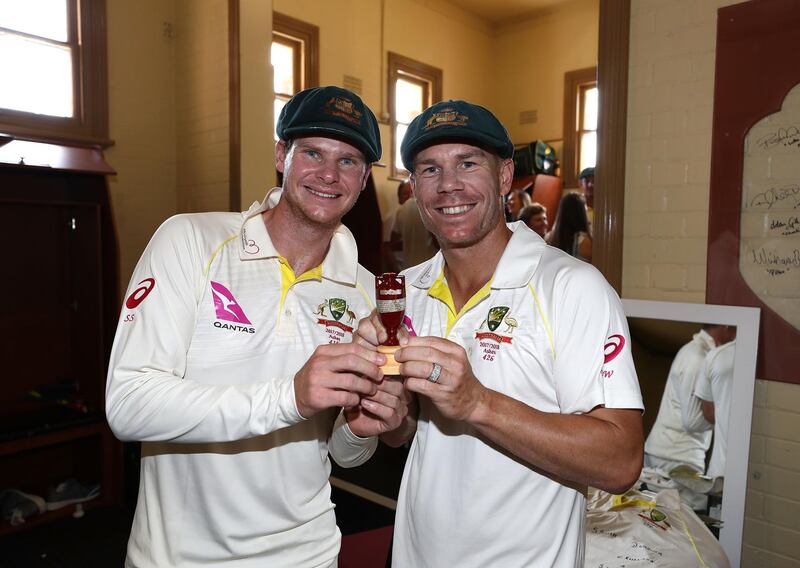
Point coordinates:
[(516, 267), (340, 263), (706, 339)]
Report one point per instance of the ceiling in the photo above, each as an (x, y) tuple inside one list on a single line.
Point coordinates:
[(497, 12)]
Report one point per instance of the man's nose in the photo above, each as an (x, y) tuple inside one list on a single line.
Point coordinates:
[(328, 171), (450, 180)]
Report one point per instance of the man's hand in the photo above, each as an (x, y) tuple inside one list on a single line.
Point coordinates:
[(370, 332), (337, 375), (457, 392), (382, 412), (393, 407)]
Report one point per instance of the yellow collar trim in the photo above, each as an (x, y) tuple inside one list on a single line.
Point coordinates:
[(441, 291), (288, 278)]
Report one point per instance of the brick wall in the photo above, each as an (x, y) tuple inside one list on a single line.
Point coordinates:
[(670, 106)]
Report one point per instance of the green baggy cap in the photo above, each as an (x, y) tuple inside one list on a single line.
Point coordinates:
[(455, 121), (331, 111)]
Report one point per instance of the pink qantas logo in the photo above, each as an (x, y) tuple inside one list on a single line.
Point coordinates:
[(225, 304), (409, 327)]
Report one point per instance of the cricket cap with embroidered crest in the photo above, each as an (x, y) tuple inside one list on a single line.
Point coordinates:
[(335, 112), (455, 121)]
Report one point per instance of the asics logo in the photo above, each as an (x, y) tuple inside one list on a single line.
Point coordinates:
[(226, 306), (615, 344), (137, 296)]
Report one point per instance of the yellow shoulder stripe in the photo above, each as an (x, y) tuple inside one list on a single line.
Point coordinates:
[(544, 320), (216, 251)]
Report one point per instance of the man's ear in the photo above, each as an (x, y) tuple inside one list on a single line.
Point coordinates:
[(506, 175), (280, 155), (367, 171)]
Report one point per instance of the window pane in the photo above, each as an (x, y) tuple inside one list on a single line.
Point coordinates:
[(408, 101), (279, 104), (399, 132), (588, 150), (590, 109), (42, 76), (45, 18), (282, 58)]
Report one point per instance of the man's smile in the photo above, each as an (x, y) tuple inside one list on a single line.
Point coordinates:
[(322, 194), (454, 209)]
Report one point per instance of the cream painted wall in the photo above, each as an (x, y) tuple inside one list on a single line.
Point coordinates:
[(141, 88), (670, 106), (201, 91), (255, 72), (532, 57)]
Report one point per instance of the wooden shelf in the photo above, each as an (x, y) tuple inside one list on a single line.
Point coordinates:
[(65, 333), (49, 516), (52, 438)]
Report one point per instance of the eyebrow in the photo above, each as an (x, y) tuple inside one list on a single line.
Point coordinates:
[(463, 156), (348, 154)]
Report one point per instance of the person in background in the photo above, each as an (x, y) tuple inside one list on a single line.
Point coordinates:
[(393, 250), (714, 388), (233, 362), (364, 222), (535, 216), (586, 181), (570, 230), (680, 434), (411, 236), (517, 200), (520, 380)]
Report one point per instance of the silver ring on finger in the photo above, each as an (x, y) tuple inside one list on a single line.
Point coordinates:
[(436, 372)]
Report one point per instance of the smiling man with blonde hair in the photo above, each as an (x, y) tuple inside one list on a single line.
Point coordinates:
[(520, 378)]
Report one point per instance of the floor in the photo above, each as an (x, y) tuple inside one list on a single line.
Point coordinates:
[(364, 499)]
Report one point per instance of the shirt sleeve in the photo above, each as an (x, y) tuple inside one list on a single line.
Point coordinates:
[(148, 397), (593, 362), (691, 410), (702, 388), (347, 449)]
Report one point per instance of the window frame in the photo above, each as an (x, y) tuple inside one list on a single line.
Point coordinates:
[(401, 67), (297, 64), (575, 84), (582, 90), (291, 31), (86, 37)]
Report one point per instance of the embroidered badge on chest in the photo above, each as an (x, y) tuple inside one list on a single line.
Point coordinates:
[(337, 309), (501, 327)]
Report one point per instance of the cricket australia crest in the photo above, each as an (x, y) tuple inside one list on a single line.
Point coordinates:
[(490, 341), (337, 308)]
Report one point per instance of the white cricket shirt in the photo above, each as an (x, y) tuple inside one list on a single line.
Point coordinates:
[(680, 434), (549, 331), (716, 386), (214, 327)]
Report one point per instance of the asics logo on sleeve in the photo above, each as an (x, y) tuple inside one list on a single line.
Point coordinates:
[(226, 306), (615, 344), (137, 296)]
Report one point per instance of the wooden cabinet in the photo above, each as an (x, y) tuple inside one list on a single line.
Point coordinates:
[(58, 311)]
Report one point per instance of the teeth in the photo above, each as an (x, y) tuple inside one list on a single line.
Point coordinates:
[(325, 195), (455, 210)]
